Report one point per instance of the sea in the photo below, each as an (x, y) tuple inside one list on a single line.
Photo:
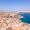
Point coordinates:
[(26, 18)]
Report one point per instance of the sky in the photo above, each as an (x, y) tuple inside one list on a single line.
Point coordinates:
[(14, 5)]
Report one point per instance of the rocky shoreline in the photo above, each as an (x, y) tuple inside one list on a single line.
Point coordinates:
[(10, 21)]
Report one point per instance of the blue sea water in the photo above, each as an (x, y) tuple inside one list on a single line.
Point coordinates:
[(26, 19)]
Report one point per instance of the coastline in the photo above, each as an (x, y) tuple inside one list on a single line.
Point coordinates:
[(11, 20)]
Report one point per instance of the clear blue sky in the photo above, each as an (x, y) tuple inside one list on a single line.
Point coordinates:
[(13, 5)]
